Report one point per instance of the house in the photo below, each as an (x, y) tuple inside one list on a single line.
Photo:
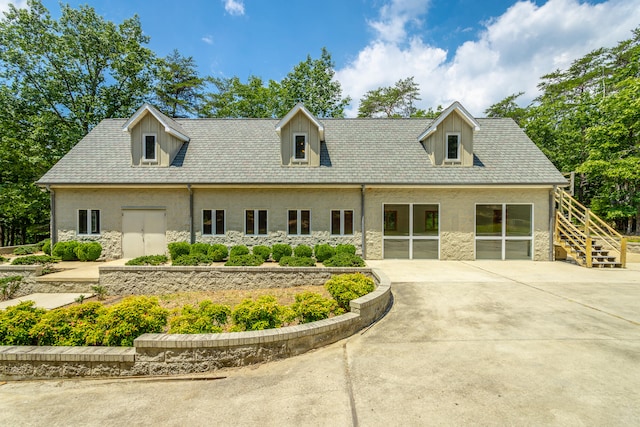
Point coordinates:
[(453, 188)]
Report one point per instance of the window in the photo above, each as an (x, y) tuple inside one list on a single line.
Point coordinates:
[(299, 222), (149, 147), (411, 231), (342, 222), (453, 147), (88, 221), (504, 231), (213, 221), (256, 222), (300, 147)]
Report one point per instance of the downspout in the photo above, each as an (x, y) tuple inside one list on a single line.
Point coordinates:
[(192, 232), (552, 222), (362, 229), (52, 217)]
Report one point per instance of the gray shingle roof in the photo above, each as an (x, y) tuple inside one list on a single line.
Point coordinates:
[(356, 151)]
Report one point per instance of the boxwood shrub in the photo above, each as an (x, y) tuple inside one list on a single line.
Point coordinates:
[(344, 260), (346, 287), (148, 260), (324, 252), (290, 261), (46, 246), (345, 248), (192, 259), (279, 250), (248, 260), (303, 251), (199, 249), (218, 252), (88, 251), (262, 251), (65, 250), (177, 249), (239, 250)]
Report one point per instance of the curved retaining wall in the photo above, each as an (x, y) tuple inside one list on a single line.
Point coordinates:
[(165, 354)]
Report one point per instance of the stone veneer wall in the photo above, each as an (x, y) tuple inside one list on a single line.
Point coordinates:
[(165, 354), (29, 273)]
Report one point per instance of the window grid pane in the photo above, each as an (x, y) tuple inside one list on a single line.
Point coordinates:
[(300, 143), (335, 222), (293, 222), (518, 220), (489, 220), (262, 222), (348, 222), (82, 221), (95, 222), (249, 222), (206, 221), (150, 147), (219, 222), (452, 147), (305, 222)]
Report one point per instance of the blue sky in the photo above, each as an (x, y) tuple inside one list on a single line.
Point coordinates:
[(473, 51)]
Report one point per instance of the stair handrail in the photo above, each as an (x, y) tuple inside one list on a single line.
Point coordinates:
[(570, 230)]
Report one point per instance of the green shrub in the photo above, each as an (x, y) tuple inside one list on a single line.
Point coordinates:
[(310, 306), (88, 251), (65, 250), (239, 250), (218, 252), (46, 246), (16, 323), (148, 260), (344, 259), (207, 318), (248, 260), (199, 249), (68, 326), (346, 287), (34, 259), (99, 291), (279, 250), (9, 286), (262, 251), (3, 259), (263, 313), (289, 261), (25, 250), (345, 249), (177, 249), (303, 251), (127, 320), (197, 259), (324, 252)]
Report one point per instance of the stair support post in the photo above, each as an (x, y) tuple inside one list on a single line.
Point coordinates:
[(588, 253), (587, 219), (623, 252)]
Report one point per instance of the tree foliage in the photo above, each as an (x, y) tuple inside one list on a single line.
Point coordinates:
[(179, 89), (392, 101)]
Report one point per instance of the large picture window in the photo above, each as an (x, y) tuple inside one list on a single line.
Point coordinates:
[(504, 231), (342, 222), (411, 231), (299, 222), (213, 221), (256, 222), (88, 221)]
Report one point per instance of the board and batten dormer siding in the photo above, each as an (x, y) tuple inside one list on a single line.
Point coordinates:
[(167, 144), (300, 124), (436, 143)]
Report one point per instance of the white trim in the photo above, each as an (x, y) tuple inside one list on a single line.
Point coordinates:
[(446, 147), (298, 222), (143, 158), (293, 112), (146, 108), (294, 159), (256, 222), (213, 222), (503, 238), (88, 224), (342, 222), (410, 237), (456, 106)]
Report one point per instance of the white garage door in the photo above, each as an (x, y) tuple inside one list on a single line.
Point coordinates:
[(143, 232)]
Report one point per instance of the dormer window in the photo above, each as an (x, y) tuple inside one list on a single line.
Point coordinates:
[(300, 147), (453, 147), (149, 147)]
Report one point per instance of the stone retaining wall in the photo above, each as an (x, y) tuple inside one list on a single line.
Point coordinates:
[(166, 354), (29, 273)]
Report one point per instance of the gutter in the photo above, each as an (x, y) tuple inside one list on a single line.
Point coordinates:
[(192, 232), (53, 235), (552, 222), (362, 229)]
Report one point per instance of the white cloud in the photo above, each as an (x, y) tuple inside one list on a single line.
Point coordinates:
[(4, 5), (394, 17), (207, 39), (510, 55), (234, 7)]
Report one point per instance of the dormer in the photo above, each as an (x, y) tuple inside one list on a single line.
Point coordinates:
[(300, 137), (155, 138), (449, 139)]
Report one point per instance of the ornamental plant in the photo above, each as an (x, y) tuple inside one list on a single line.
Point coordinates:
[(148, 260), (263, 313), (177, 249), (16, 323), (262, 251), (279, 250), (303, 251), (346, 287), (311, 306), (248, 260), (192, 259), (344, 260), (68, 326), (218, 252), (239, 250), (290, 261), (206, 318), (199, 249), (324, 252), (34, 259), (65, 250), (88, 251), (346, 248)]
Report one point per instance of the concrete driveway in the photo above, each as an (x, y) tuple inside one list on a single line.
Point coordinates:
[(483, 343)]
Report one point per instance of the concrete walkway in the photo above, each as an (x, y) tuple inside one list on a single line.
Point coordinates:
[(466, 343), (77, 271), (46, 301)]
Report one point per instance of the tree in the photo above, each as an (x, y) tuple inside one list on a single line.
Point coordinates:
[(236, 99), (179, 88), (392, 101), (312, 83), (508, 108)]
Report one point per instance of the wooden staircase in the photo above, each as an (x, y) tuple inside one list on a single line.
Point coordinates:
[(585, 237)]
